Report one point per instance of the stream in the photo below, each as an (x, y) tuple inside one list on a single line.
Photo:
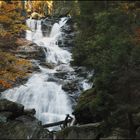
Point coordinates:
[(44, 90)]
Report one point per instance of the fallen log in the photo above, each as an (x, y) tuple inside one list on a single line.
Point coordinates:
[(57, 123)]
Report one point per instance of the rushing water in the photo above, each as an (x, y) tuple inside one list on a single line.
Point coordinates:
[(47, 97)]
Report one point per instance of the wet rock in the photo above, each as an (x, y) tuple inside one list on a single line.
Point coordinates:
[(45, 134), (5, 116), (81, 71), (64, 68), (83, 112), (46, 29), (10, 106), (23, 42), (51, 78), (61, 75), (70, 21), (21, 126), (70, 86), (20, 81), (117, 134), (47, 24), (68, 33), (34, 68), (46, 64), (31, 51), (88, 131), (29, 112), (68, 43), (68, 28)]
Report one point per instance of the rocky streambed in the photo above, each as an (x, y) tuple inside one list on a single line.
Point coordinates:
[(52, 88)]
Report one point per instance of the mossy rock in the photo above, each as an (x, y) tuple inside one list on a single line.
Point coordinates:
[(5, 116), (17, 123), (88, 131), (9, 106), (22, 128), (83, 111)]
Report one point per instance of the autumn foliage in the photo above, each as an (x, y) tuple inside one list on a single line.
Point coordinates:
[(11, 25), (11, 21), (12, 68)]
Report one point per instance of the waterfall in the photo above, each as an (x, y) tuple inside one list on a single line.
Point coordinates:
[(47, 97), (35, 31)]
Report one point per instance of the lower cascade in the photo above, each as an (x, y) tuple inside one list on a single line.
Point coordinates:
[(48, 98)]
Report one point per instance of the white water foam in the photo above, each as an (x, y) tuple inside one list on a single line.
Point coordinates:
[(49, 100)]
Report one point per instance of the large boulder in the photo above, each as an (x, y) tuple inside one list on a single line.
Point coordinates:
[(22, 42), (117, 133), (31, 51), (17, 123), (88, 131), (24, 127), (70, 86), (9, 106), (84, 111)]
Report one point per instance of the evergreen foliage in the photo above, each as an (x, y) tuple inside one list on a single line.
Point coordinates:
[(108, 42)]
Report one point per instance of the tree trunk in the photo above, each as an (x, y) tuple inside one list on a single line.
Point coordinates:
[(23, 12), (132, 130)]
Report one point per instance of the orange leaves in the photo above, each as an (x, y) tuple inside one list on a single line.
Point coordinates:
[(5, 84), (136, 38), (5, 18), (3, 32), (137, 31), (8, 7)]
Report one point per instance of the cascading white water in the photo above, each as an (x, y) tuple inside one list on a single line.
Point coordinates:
[(35, 31), (49, 100)]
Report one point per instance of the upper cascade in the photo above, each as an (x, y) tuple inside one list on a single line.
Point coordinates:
[(47, 97), (54, 54)]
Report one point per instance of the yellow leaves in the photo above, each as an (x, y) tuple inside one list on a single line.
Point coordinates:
[(8, 7), (3, 32), (11, 24), (12, 68), (11, 18), (38, 5), (23, 62), (6, 58)]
